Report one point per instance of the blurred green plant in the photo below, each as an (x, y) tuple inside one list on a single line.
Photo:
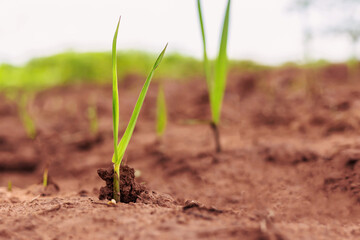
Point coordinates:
[(216, 78), (25, 117), (120, 148), (9, 186), (303, 7), (353, 68), (92, 67), (93, 121), (161, 111), (45, 177)]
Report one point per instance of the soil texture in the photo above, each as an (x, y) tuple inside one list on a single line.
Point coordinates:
[(129, 189), (289, 166)]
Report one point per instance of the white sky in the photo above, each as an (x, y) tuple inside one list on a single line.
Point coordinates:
[(261, 30)]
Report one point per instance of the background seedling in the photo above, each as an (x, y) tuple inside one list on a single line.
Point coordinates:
[(303, 7), (93, 121), (119, 149), (161, 111), (46, 153), (216, 79), (22, 98), (9, 187), (352, 65), (45, 177), (25, 117)]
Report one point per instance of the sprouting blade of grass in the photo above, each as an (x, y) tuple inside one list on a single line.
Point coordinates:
[(219, 83), (206, 60), (92, 116), (29, 126), (45, 177), (161, 115), (216, 84), (131, 126), (115, 102), (26, 119), (9, 188)]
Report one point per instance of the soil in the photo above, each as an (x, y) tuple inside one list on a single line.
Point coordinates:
[(289, 166), (129, 189)]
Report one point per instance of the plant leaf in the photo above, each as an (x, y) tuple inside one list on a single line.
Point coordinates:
[(115, 95), (92, 117), (25, 117), (219, 84), (121, 148), (206, 60), (161, 115)]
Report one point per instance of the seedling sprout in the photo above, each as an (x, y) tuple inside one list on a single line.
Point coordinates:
[(9, 187), (161, 112), (216, 78), (93, 122), (25, 117), (120, 148), (45, 177)]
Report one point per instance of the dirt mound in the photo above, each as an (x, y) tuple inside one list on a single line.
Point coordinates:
[(286, 154), (129, 189), (350, 184), (346, 177)]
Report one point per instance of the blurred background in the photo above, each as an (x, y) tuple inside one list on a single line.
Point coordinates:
[(268, 32)]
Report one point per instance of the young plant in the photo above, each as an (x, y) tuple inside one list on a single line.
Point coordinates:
[(92, 116), (161, 112), (120, 147), (25, 117), (45, 178), (216, 78), (9, 187)]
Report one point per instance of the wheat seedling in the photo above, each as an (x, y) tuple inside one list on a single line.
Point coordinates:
[(120, 147), (216, 78)]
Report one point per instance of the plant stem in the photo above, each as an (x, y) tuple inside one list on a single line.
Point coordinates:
[(9, 186), (45, 177), (117, 182), (215, 129)]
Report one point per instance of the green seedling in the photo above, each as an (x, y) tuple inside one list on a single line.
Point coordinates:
[(9, 187), (313, 87), (352, 66), (46, 174), (216, 78), (93, 121), (25, 117), (161, 112), (120, 148), (45, 177)]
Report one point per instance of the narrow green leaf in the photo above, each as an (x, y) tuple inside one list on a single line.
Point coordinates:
[(206, 60), (159, 59), (25, 117), (45, 177), (9, 188), (115, 102), (121, 148), (92, 117), (29, 125), (219, 84), (161, 113)]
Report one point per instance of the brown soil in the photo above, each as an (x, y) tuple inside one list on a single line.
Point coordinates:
[(129, 189), (289, 166)]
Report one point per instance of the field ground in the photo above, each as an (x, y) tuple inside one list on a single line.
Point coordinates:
[(289, 168)]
